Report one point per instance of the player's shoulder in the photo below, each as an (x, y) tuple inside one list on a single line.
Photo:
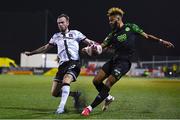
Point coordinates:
[(56, 35), (134, 27), (131, 25), (74, 31)]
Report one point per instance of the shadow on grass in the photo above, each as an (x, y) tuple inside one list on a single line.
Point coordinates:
[(25, 108), (35, 112)]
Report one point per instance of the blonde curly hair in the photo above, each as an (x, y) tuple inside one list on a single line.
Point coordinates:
[(115, 11)]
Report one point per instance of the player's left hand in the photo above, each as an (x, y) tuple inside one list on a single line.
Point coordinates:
[(27, 53), (167, 44)]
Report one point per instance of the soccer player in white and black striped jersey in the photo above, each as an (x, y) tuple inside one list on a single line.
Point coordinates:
[(67, 42)]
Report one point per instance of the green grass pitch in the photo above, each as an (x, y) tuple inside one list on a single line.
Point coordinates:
[(28, 97)]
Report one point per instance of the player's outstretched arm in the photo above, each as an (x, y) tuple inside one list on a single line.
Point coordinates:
[(93, 48), (42, 49), (88, 41), (161, 41)]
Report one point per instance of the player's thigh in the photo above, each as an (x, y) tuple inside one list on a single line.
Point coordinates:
[(100, 77), (72, 72), (103, 73), (119, 69), (111, 81), (68, 78)]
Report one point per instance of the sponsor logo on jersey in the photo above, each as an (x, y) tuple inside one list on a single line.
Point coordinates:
[(127, 29), (71, 35), (122, 38)]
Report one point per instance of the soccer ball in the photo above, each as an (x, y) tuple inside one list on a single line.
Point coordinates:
[(94, 49)]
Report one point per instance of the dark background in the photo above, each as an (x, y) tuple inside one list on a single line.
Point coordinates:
[(22, 23)]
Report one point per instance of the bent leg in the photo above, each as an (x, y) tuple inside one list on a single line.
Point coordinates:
[(104, 91), (98, 80), (68, 78), (111, 81), (56, 88)]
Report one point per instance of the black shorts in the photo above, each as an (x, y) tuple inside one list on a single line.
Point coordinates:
[(70, 67), (117, 68)]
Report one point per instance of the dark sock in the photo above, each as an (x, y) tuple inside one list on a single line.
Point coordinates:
[(99, 86), (101, 96), (72, 94), (60, 93)]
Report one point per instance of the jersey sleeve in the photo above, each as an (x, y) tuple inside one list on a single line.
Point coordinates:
[(135, 28), (80, 36), (108, 40), (52, 40)]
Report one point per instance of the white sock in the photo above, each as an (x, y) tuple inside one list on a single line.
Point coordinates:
[(90, 108), (108, 97), (64, 96)]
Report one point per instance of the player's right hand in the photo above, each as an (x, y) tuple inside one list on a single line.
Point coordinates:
[(85, 49), (167, 44), (27, 53)]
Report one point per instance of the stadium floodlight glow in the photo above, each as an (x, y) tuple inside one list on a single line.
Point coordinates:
[(43, 56), (170, 73)]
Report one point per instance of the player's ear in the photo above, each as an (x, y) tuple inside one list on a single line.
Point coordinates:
[(119, 18)]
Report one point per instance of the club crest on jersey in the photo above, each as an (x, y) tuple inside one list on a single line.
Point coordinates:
[(70, 35), (122, 38), (127, 29)]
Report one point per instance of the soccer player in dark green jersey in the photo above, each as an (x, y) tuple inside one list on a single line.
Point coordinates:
[(122, 39)]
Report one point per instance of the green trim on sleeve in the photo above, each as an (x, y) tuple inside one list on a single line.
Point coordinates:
[(135, 28), (107, 40)]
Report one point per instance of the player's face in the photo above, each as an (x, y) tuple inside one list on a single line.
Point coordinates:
[(113, 21), (63, 24)]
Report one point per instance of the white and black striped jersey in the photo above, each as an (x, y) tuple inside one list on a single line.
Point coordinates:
[(67, 44)]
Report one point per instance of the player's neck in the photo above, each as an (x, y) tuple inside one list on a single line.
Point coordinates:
[(121, 24), (66, 31)]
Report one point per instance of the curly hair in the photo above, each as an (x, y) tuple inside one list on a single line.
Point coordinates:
[(115, 11)]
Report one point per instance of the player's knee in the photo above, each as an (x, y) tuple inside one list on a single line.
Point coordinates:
[(110, 83), (68, 78), (55, 94), (96, 82)]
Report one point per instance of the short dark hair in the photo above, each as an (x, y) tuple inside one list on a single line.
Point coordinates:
[(64, 15)]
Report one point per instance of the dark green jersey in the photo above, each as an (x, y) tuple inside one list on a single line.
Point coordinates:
[(123, 40)]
